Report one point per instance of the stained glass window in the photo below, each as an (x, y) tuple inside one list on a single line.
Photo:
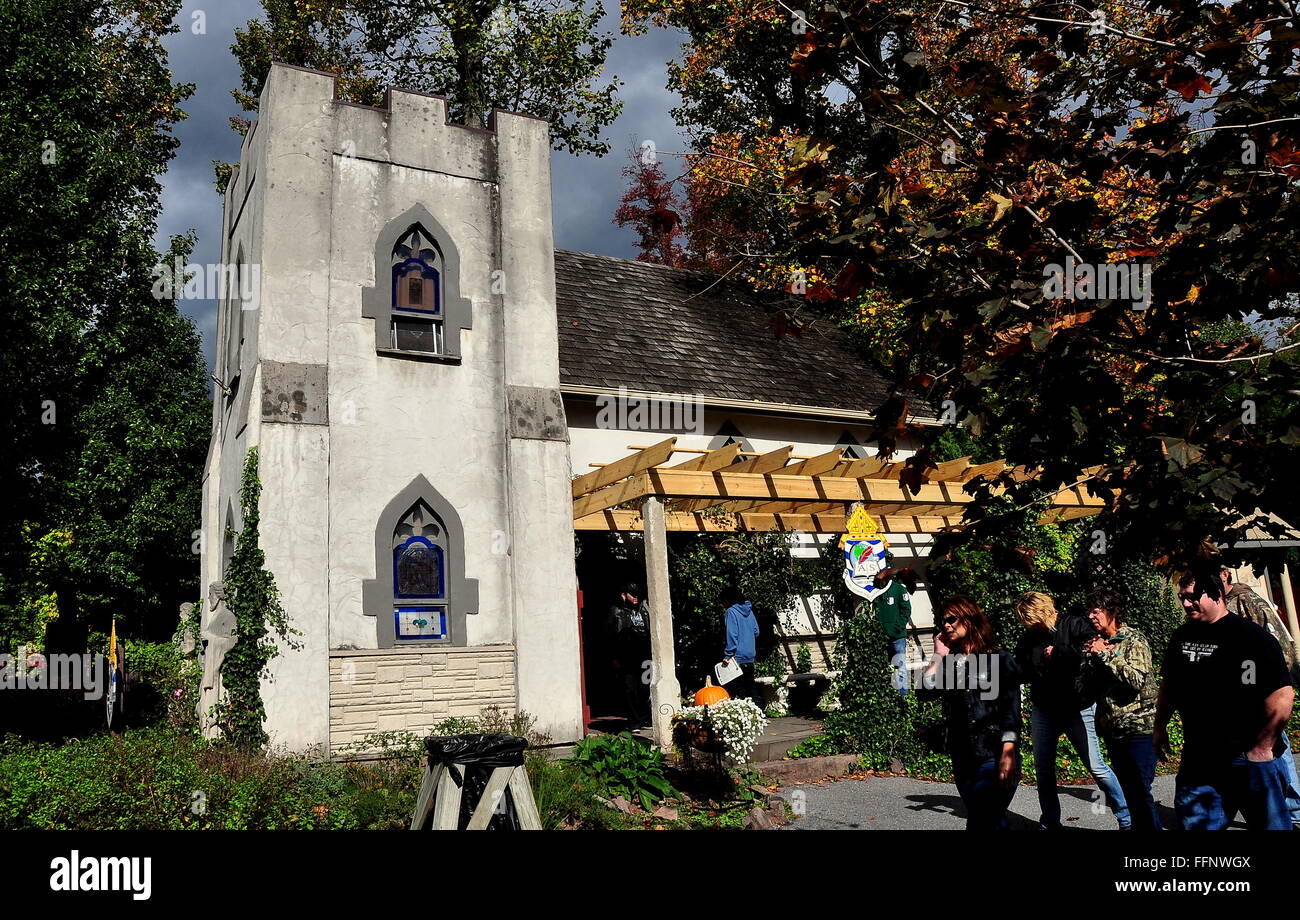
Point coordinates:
[(419, 569), (420, 574), (417, 275)]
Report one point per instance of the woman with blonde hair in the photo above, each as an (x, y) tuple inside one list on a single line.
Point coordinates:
[(1050, 655)]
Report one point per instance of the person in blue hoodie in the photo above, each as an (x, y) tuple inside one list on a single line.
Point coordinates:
[(742, 631)]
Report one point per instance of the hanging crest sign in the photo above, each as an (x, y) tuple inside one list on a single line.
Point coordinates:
[(864, 554)]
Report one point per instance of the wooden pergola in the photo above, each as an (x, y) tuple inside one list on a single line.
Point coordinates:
[(728, 490)]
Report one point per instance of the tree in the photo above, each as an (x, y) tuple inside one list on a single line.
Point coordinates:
[(964, 159), (652, 208), (543, 57), (101, 385)]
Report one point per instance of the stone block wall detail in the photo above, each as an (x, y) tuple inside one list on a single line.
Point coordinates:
[(413, 689)]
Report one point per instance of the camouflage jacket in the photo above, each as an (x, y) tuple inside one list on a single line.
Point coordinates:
[(1244, 602), (1123, 681)]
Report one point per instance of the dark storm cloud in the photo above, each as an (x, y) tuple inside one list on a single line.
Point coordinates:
[(584, 190), (190, 200)]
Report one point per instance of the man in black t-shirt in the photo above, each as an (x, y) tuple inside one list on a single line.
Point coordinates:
[(1228, 681)]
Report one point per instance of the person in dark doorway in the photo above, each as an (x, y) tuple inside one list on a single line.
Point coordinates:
[(742, 632), (1227, 679), (629, 634), (893, 608), (979, 688)]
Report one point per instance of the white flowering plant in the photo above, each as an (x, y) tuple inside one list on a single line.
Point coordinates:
[(738, 724)]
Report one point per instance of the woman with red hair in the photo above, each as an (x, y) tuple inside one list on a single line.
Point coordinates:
[(978, 686)]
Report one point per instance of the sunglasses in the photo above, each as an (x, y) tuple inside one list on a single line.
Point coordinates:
[(949, 620)]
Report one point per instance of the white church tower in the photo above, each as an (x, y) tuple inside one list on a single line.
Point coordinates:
[(395, 362)]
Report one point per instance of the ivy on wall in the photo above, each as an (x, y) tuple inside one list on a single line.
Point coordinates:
[(251, 595)]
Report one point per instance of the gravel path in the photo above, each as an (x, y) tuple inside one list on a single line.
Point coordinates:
[(899, 803)]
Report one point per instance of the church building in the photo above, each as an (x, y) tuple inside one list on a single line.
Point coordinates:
[(424, 375)]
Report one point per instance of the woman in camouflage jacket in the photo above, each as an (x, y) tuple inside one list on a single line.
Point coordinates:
[(1119, 672)]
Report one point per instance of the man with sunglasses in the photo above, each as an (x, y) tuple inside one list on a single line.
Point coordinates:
[(1227, 679)]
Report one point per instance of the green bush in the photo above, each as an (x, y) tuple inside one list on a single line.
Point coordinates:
[(874, 719), (164, 684), (159, 778), (566, 797), (624, 766)]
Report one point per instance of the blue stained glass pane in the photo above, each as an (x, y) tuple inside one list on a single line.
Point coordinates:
[(418, 569)]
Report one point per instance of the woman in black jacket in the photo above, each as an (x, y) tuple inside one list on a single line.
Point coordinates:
[(978, 686), (1049, 656)]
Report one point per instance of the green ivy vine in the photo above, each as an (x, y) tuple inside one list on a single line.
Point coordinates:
[(251, 595)]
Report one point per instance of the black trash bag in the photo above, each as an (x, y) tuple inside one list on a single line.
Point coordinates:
[(470, 759)]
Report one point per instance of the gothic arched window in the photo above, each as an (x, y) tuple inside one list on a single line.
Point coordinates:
[(419, 595), (417, 306), (417, 292), (420, 575)]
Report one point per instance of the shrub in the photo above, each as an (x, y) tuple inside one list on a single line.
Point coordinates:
[(159, 778), (566, 797), (874, 719), (164, 684), (624, 766)]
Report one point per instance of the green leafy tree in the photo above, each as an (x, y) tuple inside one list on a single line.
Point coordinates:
[(101, 385), (951, 154), (542, 57)]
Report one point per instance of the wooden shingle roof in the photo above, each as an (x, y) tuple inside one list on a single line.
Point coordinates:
[(664, 330)]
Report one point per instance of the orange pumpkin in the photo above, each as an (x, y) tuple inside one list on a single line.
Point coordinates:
[(709, 694)]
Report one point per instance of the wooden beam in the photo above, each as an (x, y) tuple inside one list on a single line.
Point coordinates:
[(832, 522), (950, 470), (814, 466), (764, 463), (625, 491), (983, 469), (712, 460), (621, 469), (728, 485)]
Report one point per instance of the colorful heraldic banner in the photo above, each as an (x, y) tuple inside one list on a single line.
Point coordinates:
[(864, 554)]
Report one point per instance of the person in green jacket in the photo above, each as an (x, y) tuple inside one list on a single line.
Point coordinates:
[(893, 608)]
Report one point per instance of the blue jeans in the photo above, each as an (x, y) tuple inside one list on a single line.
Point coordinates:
[(1293, 784), (898, 658), (1134, 761), (986, 798), (1080, 729), (1207, 799)]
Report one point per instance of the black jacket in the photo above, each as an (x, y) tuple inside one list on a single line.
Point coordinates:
[(979, 715), (629, 639), (1053, 681)]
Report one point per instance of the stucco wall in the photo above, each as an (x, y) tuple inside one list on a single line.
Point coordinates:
[(412, 690), (319, 183)]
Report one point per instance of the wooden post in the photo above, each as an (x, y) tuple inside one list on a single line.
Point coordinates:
[(1288, 597), (665, 692)]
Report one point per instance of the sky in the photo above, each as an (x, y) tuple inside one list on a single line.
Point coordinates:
[(584, 190)]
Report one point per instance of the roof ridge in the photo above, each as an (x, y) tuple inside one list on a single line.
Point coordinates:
[(626, 261)]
